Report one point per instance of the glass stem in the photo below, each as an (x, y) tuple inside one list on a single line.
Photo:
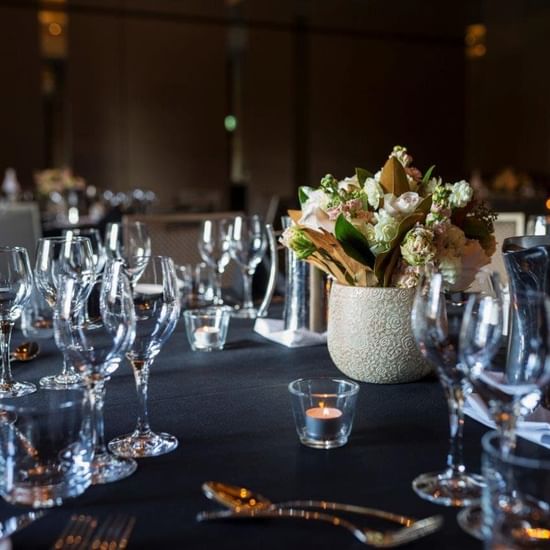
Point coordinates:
[(247, 289), (97, 398), (141, 374), (5, 338), (455, 401), (218, 290), (505, 421)]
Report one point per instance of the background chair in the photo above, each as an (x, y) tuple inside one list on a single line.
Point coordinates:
[(20, 226)]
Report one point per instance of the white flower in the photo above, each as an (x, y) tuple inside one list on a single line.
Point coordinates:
[(374, 191), (461, 194), (431, 185), (386, 227), (400, 153), (402, 205), (418, 247), (349, 184), (314, 214)]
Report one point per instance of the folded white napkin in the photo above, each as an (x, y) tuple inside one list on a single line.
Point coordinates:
[(535, 428), (273, 329)]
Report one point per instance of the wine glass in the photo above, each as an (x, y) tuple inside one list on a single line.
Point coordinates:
[(130, 242), (509, 387), (436, 321), (97, 350), (247, 245), (157, 309), (56, 257), (214, 250), (96, 242), (15, 290)]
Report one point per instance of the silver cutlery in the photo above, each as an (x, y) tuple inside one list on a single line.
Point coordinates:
[(371, 537)]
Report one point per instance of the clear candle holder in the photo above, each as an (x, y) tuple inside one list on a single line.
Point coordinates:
[(323, 410), (207, 328)]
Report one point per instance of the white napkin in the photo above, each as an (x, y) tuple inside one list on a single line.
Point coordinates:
[(535, 428), (273, 329)]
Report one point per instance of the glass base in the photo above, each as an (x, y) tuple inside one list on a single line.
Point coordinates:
[(16, 389), (107, 468), (61, 381), (448, 490), (138, 445), (323, 443), (471, 521)]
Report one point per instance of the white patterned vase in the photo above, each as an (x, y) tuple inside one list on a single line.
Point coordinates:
[(370, 337)]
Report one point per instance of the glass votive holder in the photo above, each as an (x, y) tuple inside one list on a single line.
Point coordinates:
[(323, 410), (207, 328), (46, 448)]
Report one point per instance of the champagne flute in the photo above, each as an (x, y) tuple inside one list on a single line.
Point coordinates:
[(436, 321), (130, 242), (57, 257), (97, 349), (247, 245), (15, 290), (157, 309), (214, 250)]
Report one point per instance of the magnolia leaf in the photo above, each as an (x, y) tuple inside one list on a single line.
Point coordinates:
[(303, 193), (383, 260), (362, 175), (353, 241), (425, 205), (295, 215), (428, 174), (391, 264), (394, 178)]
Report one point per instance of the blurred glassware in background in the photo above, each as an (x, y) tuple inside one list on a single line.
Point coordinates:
[(214, 250), (185, 276), (10, 186), (37, 317), (205, 285), (516, 498), (247, 245), (45, 448), (538, 225)]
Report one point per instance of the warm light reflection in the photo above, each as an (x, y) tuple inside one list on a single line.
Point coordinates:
[(548, 203), (55, 29), (475, 41)]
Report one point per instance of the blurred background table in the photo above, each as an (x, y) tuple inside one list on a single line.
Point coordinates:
[(231, 413)]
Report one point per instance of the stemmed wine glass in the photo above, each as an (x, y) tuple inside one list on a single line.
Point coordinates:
[(55, 257), (97, 350), (96, 242), (247, 245), (509, 387), (130, 242), (436, 321), (214, 250), (157, 309), (15, 289)]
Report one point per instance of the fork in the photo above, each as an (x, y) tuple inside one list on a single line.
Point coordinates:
[(76, 533), (114, 533), (378, 539)]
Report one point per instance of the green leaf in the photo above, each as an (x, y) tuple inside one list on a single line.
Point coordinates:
[(362, 175), (303, 193), (353, 241), (428, 174)]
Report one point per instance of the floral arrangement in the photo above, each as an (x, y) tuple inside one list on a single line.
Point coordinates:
[(57, 180), (382, 229)]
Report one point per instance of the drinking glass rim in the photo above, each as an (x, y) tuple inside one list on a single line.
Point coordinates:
[(206, 312), (63, 238), (13, 249), (353, 387), (40, 408), (512, 458)]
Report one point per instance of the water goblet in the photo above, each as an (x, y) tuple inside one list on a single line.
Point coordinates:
[(98, 250), (157, 309), (247, 245), (97, 349), (214, 250), (57, 257), (436, 321), (509, 387), (37, 317), (130, 242), (15, 290)]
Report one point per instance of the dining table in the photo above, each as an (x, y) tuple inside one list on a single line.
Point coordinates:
[(231, 413)]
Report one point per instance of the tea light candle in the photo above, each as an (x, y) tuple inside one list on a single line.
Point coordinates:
[(206, 337), (323, 422)]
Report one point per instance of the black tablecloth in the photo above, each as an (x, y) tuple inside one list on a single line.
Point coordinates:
[(231, 413)]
